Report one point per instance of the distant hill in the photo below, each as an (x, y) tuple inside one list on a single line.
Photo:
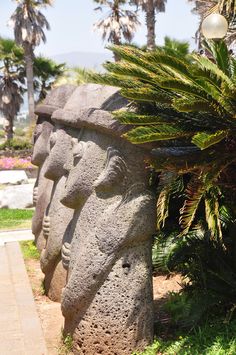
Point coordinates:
[(88, 60)]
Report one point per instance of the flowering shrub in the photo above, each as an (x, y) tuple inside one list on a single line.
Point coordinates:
[(16, 163)]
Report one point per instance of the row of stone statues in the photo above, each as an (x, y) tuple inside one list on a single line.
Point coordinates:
[(94, 220)]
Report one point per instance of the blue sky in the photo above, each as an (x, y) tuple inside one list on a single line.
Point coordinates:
[(72, 21)]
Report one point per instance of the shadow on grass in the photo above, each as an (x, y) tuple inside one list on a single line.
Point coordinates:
[(213, 337)]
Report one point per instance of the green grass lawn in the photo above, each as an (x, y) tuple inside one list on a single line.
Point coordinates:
[(29, 250), (11, 219), (215, 337)]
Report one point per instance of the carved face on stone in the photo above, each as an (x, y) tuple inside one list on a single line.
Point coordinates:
[(41, 136), (96, 166), (60, 146)]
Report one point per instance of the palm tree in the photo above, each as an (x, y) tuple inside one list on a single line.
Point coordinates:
[(47, 72), (118, 23), (29, 24), (12, 79), (150, 7)]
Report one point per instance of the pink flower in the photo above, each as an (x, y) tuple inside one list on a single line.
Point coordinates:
[(18, 163)]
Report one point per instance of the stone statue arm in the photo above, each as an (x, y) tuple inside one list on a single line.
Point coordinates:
[(129, 223), (35, 191), (52, 252)]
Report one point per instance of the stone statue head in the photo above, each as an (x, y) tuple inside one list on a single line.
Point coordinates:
[(101, 158), (60, 148), (55, 100)]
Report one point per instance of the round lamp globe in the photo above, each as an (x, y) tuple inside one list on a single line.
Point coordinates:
[(214, 26)]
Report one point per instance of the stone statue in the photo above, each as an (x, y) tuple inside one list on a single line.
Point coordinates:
[(57, 216), (43, 186), (107, 302)]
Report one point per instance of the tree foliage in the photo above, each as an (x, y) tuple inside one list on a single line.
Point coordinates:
[(118, 23), (29, 24), (46, 73), (12, 80)]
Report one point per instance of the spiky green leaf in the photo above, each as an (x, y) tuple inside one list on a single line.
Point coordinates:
[(204, 140)]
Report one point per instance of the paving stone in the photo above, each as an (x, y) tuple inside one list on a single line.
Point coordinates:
[(20, 328), (19, 196), (13, 177)]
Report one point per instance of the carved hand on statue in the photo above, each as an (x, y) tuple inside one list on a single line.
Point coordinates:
[(46, 226), (65, 253), (35, 195)]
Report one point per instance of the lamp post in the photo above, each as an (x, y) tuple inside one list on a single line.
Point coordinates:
[(214, 26)]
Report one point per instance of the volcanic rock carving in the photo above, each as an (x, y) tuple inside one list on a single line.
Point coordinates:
[(57, 216), (107, 301), (42, 189)]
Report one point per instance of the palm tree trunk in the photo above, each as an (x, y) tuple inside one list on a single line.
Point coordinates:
[(30, 80), (150, 22), (8, 128), (117, 37), (117, 42)]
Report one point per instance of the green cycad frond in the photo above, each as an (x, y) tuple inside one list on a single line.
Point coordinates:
[(128, 53), (155, 133), (204, 140), (192, 104), (169, 184), (220, 54), (214, 94), (147, 93), (200, 90), (195, 192), (131, 118), (209, 71), (183, 87), (174, 62), (135, 57), (226, 216), (212, 213), (113, 80), (131, 70)]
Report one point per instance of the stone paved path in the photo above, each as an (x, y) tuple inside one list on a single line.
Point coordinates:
[(13, 236), (20, 328)]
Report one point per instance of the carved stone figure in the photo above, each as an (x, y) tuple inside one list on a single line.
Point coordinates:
[(57, 216), (42, 189), (107, 302)]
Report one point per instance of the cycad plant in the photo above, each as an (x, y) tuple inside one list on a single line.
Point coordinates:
[(184, 108)]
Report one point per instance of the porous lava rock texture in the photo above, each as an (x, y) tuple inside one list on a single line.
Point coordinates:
[(44, 125), (107, 301)]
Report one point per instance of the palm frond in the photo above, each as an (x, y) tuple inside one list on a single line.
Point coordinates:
[(204, 140), (195, 192), (141, 135)]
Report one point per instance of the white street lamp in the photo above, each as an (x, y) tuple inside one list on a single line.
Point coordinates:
[(214, 26)]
